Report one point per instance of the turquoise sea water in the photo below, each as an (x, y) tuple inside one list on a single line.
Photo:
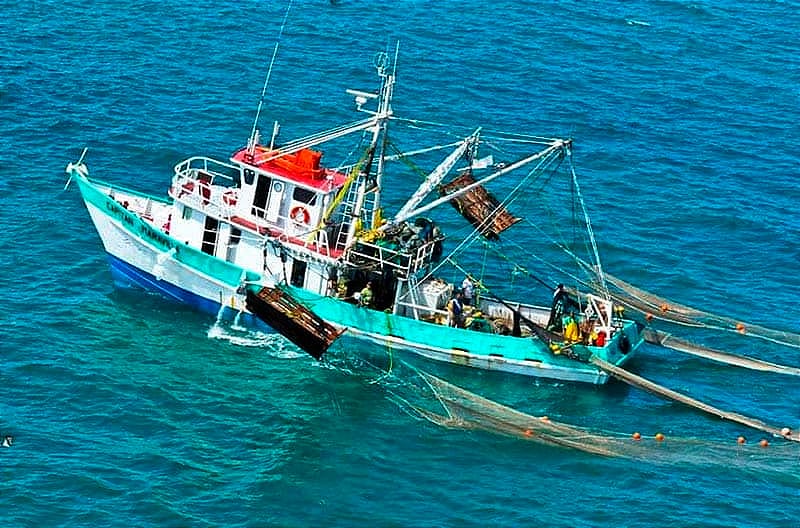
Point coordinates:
[(125, 411)]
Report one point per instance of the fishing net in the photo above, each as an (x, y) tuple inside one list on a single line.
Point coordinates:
[(658, 307), (682, 345), (462, 409), (467, 409)]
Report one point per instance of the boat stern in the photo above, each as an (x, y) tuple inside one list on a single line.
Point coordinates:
[(621, 347)]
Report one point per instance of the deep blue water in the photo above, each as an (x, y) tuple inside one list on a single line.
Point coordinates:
[(126, 413)]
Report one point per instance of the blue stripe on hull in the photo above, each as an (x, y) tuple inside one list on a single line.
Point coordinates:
[(127, 276)]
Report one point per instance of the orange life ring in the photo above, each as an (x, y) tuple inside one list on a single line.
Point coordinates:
[(299, 214)]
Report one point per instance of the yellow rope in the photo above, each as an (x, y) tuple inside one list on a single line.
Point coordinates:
[(354, 172)]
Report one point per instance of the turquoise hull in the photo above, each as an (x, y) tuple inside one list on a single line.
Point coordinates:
[(520, 355)]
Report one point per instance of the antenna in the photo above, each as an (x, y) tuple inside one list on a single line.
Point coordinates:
[(251, 143), (276, 127), (396, 54)]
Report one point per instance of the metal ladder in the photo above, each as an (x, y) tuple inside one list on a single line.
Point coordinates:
[(346, 212)]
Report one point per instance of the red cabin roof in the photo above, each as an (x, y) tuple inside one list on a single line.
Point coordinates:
[(301, 167)]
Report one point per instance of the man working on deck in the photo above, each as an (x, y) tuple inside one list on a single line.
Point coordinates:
[(562, 302), (455, 311), (468, 289), (365, 299)]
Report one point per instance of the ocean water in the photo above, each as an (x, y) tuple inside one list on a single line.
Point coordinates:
[(128, 410)]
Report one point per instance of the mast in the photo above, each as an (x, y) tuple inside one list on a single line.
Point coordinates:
[(437, 175), (545, 157), (385, 112), (379, 124)]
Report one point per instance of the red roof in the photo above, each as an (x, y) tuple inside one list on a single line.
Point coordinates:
[(301, 167)]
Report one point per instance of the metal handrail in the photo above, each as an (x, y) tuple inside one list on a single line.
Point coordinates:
[(193, 166)]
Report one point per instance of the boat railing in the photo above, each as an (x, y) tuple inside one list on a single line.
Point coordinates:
[(403, 261), (206, 184), (143, 206), (207, 169), (200, 194)]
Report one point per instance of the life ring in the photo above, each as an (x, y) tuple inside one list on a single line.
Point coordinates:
[(299, 214)]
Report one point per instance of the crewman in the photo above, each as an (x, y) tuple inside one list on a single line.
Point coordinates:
[(365, 299), (571, 332), (467, 289), (341, 287), (455, 311), (562, 302)]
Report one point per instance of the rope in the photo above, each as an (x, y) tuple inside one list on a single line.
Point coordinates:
[(510, 137), (595, 251), (404, 158), (659, 390), (476, 232), (389, 348)]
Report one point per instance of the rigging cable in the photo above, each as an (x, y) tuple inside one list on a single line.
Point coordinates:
[(251, 144), (476, 232), (599, 270)]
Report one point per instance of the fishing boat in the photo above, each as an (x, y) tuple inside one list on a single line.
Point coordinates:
[(284, 241)]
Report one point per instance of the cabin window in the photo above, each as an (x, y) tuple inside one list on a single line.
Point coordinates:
[(249, 176), (235, 237), (304, 195), (298, 273), (187, 212)]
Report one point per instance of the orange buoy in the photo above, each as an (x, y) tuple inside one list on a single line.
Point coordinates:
[(528, 432), (636, 436), (740, 440), (648, 316), (740, 328), (763, 442), (664, 307), (659, 437)]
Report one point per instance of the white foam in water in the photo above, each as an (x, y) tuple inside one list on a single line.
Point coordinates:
[(242, 336)]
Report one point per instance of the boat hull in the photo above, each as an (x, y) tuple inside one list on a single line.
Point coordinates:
[(143, 257), (518, 355)]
